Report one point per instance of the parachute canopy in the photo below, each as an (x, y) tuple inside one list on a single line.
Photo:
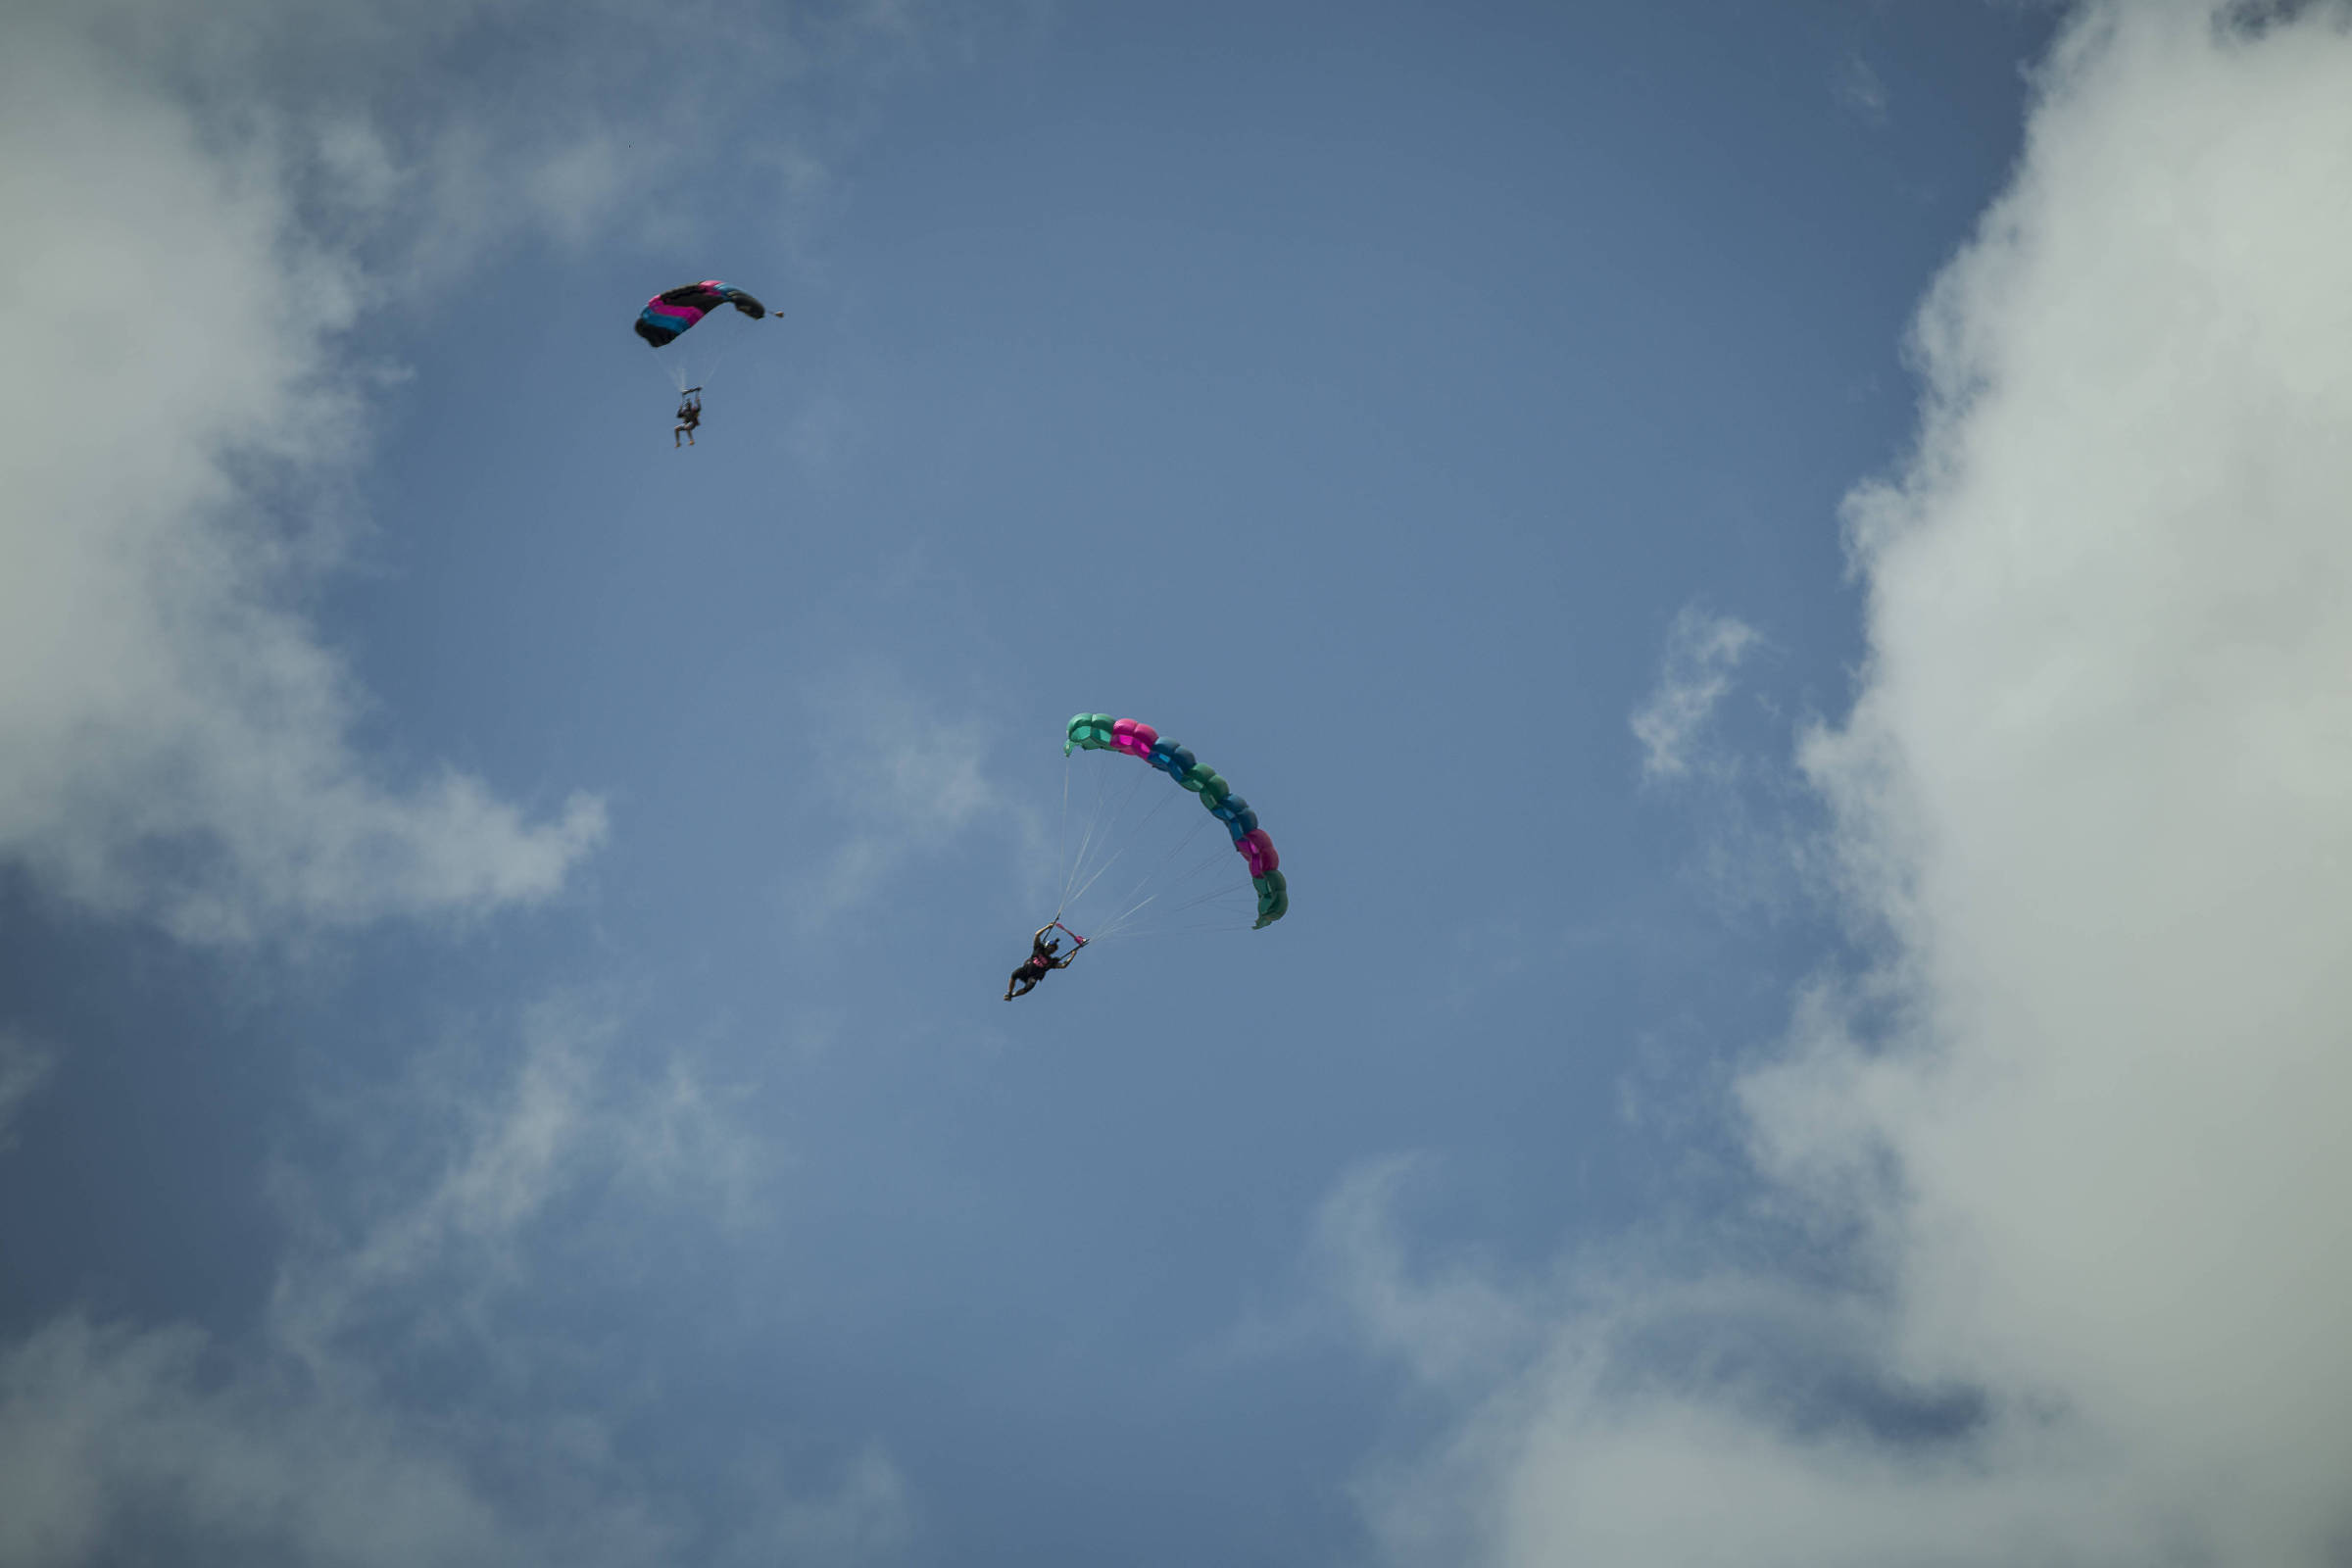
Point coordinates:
[(1100, 732), (672, 311)]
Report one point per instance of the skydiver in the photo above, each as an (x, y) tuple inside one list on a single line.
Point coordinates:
[(690, 415), (1041, 962)]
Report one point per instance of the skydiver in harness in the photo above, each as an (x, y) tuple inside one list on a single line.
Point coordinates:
[(1042, 960), (690, 415)]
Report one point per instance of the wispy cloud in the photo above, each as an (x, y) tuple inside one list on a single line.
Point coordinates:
[(1862, 89), (414, 1394), (2059, 1162), (1748, 854), (1703, 651), (1449, 1324), (584, 1107), (23, 1068), (903, 776)]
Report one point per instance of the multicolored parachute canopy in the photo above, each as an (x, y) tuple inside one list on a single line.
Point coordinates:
[(672, 311), (1100, 732)]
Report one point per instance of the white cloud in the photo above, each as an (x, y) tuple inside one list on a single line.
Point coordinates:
[(1862, 89), (425, 134), (436, 1251), (174, 732), (93, 1420), (2073, 1151), (223, 192), (905, 778), (410, 1396), (207, 197), (1702, 652), (1748, 855), (1450, 1325)]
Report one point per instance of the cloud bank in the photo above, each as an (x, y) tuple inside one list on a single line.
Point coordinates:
[(2058, 1177), (223, 194), (176, 736)]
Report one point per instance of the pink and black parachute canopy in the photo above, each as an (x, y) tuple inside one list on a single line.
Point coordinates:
[(672, 311)]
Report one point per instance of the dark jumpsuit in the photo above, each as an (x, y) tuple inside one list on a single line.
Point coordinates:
[(1040, 963)]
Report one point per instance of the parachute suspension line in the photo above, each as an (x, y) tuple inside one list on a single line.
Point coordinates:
[(1095, 825), (1069, 858), (1125, 917), (689, 365), (1063, 854), (1159, 802), (1158, 806), (1213, 865), (726, 349), (1101, 820), (1085, 839), (1097, 877), (1162, 888), (670, 372), (1099, 871), (1061, 859), (1106, 815), (1152, 875), (1211, 862), (1100, 830), (1242, 901)]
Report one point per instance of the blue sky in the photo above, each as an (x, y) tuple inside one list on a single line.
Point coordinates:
[(1776, 573)]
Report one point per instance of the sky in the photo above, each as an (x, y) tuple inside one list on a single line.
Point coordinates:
[(1777, 574)]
